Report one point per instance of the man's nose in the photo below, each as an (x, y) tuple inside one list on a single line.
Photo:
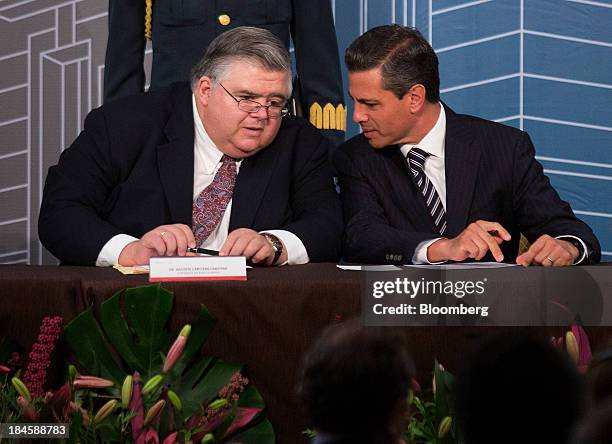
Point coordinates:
[(358, 114), (261, 113)]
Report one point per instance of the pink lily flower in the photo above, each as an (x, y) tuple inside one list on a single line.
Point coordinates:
[(91, 382), (176, 350)]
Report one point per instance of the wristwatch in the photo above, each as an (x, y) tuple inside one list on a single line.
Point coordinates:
[(277, 245)]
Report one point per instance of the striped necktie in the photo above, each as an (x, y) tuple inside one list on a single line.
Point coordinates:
[(210, 205), (416, 160)]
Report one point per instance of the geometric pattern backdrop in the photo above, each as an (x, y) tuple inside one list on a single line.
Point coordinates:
[(541, 65)]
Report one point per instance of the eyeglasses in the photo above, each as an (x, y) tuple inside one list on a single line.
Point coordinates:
[(251, 106)]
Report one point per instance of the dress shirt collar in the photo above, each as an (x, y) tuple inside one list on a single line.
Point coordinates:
[(433, 142), (206, 151)]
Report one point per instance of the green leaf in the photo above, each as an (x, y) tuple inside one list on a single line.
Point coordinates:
[(87, 341), (251, 398), (200, 329), (147, 310), (208, 387), (262, 433)]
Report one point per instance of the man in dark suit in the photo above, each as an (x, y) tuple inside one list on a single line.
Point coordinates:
[(214, 166), (182, 30), (422, 184)]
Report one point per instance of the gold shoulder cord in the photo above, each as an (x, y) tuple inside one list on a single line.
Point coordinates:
[(148, 14)]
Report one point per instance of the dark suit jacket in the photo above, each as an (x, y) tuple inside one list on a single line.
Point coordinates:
[(182, 30), (491, 174), (131, 170)]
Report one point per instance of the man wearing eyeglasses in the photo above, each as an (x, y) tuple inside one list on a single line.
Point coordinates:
[(215, 166)]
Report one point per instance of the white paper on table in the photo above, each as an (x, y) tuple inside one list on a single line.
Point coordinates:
[(464, 266), (369, 267)]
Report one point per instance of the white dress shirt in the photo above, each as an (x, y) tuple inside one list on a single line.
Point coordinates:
[(207, 161), (434, 144)]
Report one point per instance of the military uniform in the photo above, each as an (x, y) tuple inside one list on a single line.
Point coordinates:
[(181, 31)]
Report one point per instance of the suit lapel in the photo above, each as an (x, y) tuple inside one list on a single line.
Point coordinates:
[(253, 179), (410, 196), (175, 160), (462, 161)]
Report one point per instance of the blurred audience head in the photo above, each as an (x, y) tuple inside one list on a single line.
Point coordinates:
[(596, 428), (518, 389), (599, 378), (355, 384)]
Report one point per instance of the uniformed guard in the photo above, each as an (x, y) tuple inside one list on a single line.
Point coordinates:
[(181, 31)]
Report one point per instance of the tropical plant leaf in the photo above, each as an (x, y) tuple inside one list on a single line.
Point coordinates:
[(200, 329), (251, 398), (87, 341), (207, 388), (147, 312), (262, 433), (119, 334), (244, 415)]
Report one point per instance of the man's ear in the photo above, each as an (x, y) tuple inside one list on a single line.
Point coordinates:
[(416, 97), (204, 90)]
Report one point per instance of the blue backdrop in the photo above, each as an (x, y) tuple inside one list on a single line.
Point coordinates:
[(541, 65)]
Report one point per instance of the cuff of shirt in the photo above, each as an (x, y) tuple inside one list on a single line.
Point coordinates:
[(420, 252), (584, 247), (109, 254), (296, 251)]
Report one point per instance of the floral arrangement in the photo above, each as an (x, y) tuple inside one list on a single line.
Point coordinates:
[(431, 420), (129, 389)]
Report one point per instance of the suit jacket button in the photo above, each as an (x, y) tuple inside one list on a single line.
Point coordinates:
[(224, 19)]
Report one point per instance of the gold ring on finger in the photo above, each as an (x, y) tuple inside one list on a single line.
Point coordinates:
[(551, 260)]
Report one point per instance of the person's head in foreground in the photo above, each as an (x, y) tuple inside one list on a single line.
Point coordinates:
[(355, 385), (518, 390)]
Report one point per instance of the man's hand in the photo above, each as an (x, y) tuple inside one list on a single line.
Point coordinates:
[(549, 252), (473, 243), (165, 240), (249, 243)]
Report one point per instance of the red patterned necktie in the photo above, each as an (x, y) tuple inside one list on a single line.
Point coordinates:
[(210, 205)]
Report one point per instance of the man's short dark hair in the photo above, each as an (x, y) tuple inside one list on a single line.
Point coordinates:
[(518, 389), (404, 56), (355, 381)]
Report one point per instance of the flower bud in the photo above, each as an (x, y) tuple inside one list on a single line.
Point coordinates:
[(72, 372), (4, 369), (219, 403), (185, 331), (571, 345), (105, 411), (126, 391), (28, 411), (445, 426), (176, 350), (208, 438), (154, 412), (93, 382), (21, 388), (171, 438), (152, 384), (175, 400)]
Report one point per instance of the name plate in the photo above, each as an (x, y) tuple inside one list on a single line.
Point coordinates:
[(197, 268)]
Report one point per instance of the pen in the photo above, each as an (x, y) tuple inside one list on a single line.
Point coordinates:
[(203, 251)]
